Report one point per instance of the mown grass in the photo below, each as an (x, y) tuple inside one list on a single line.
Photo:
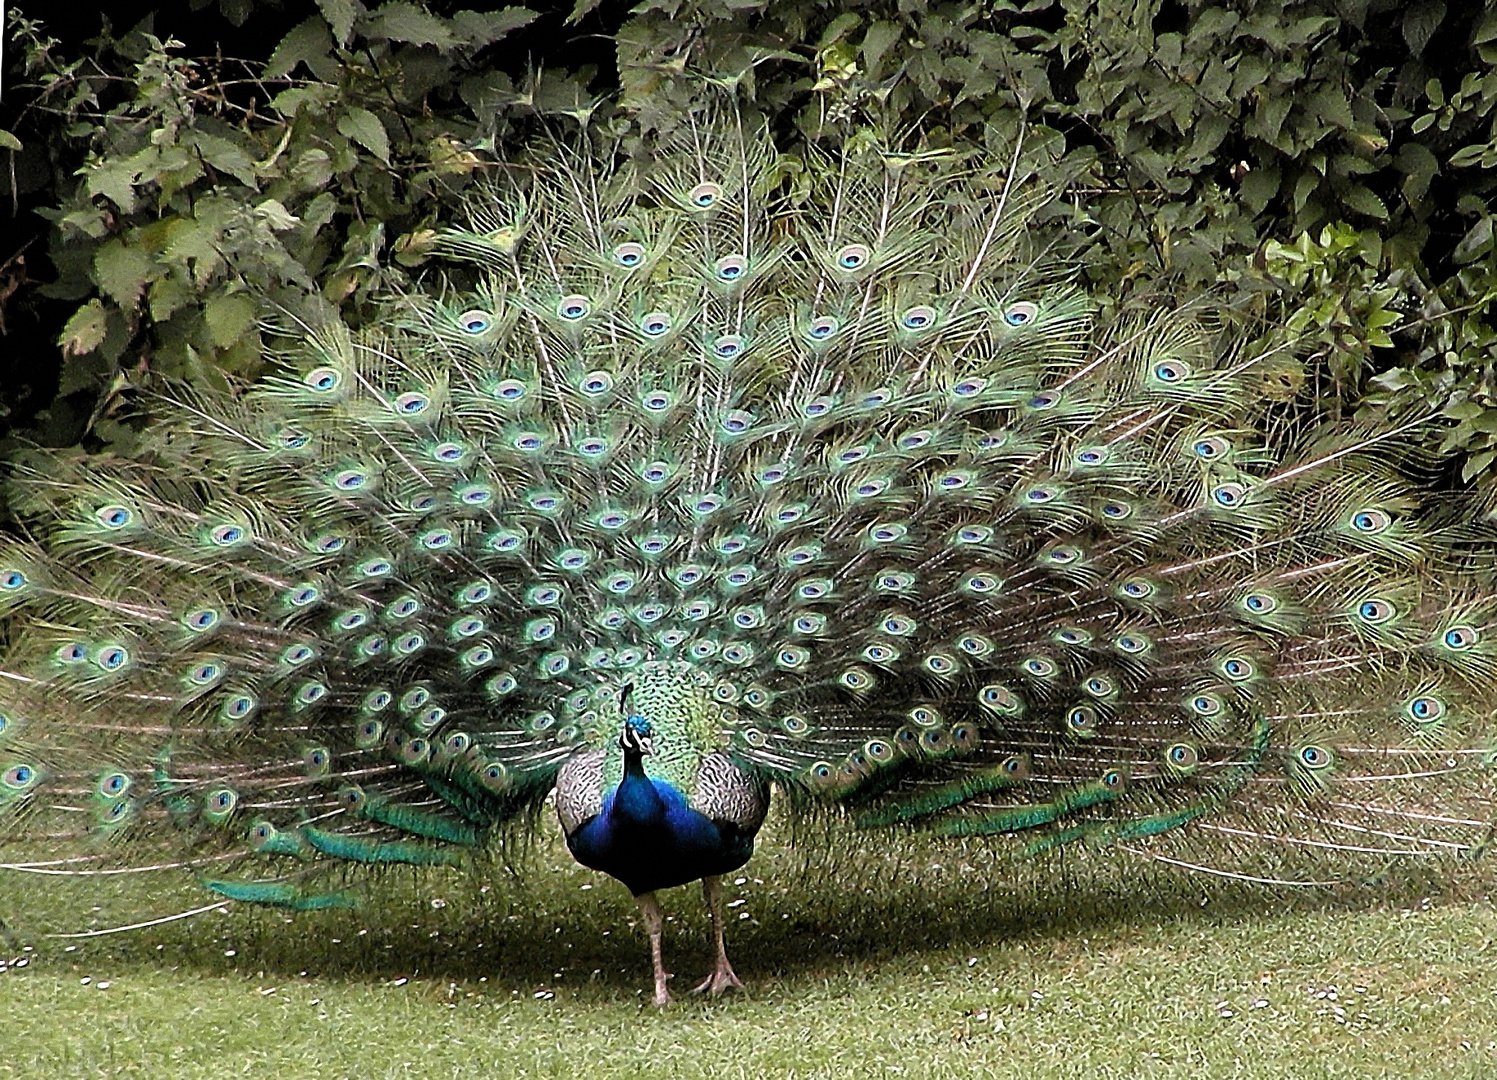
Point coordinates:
[(920, 961)]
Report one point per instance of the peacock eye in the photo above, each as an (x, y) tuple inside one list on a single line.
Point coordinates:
[(705, 195), (1171, 371), (731, 267), (597, 382), (412, 404), (727, 346), (1228, 495), (823, 328), (853, 256), (1376, 611), (474, 323), (1370, 521), (1211, 448), (114, 517), (918, 318), (1461, 637), (323, 379), (574, 307), (629, 255), (11, 580), (1020, 314)]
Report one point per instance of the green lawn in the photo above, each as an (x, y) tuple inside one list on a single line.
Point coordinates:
[(923, 961)]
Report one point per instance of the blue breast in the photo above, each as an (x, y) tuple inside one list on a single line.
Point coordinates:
[(649, 838)]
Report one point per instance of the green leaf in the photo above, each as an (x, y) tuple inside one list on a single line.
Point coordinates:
[(308, 43), (85, 330), (8, 141), (229, 318), (340, 16), (1363, 201), (1420, 22), (224, 155), (406, 22), (122, 271), (480, 28), (364, 128), (114, 178)]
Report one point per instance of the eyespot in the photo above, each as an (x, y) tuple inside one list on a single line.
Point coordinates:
[(574, 307), (350, 480), (920, 317), (1083, 718), (114, 516), (705, 195), (1137, 588), (981, 583), (1370, 521), (1117, 510), (237, 707), (999, 699), (19, 777), (655, 323), (1228, 495), (1171, 371), (727, 346), (510, 390), (330, 543), (730, 268), (201, 620), (1038, 496), (1211, 448), (1238, 669), (737, 421), (1206, 705), (817, 407), (1260, 603), (1425, 708), (657, 401), (474, 322), (112, 657), (1020, 314), (629, 255), (852, 257), (969, 387), (1182, 756), (292, 439), (323, 379), (1460, 638), (596, 383), (822, 328), (1132, 644), (1375, 611), (1039, 667), (12, 580), (1314, 757), (412, 403), (1091, 455)]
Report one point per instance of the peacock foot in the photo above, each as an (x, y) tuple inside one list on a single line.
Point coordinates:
[(722, 978), (662, 995)]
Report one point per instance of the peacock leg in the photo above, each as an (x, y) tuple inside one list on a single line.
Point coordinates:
[(649, 906), (722, 976)]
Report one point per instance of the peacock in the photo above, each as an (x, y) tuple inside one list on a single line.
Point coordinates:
[(717, 472)]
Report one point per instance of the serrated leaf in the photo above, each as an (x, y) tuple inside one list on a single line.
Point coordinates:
[(1420, 22), (1363, 201), (480, 28), (340, 16), (85, 330), (114, 178), (224, 155), (400, 21), (122, 271), (364, 128), (308, 43), (229, 318)]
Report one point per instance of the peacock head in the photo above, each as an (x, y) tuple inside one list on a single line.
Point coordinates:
[(637, 736)]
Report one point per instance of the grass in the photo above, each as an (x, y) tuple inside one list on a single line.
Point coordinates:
[(921, 961)]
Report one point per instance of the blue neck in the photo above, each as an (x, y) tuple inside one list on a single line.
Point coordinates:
[(637, 799)]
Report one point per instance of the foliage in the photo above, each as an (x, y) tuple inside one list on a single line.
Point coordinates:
[(1204, 145)]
